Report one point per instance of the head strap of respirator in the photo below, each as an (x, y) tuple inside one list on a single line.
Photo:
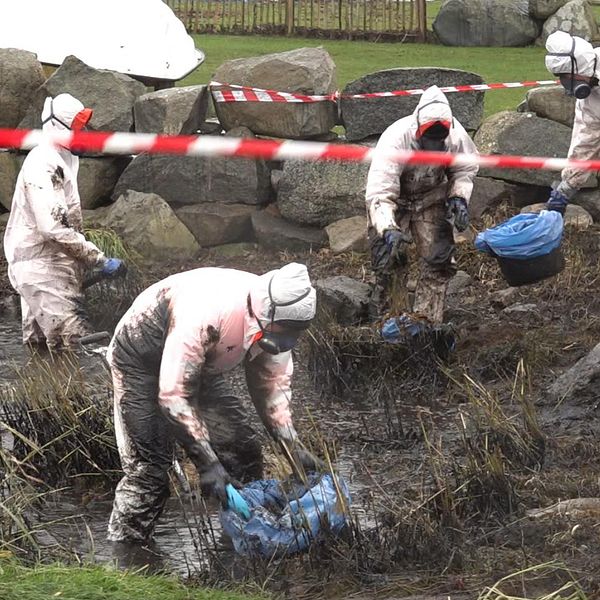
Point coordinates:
[(574, 87), (80, 120), (277, 342), (52, 116)]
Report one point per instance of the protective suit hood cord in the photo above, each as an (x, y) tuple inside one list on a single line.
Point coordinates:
[(290, 300)]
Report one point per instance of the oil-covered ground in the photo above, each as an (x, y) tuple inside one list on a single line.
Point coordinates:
[(447, 462)]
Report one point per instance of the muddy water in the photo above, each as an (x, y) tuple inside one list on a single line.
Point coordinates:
[(187, 538), (186, 535), (12, 352), (182, 536)]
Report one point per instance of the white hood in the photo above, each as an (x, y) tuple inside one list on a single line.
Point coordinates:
[(584, 56), (290, 286), (64, 108), (433, 106)]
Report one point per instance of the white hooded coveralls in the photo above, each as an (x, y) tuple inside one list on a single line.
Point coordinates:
[(45, 248), (167, 358), (585, 139), (412, 198)]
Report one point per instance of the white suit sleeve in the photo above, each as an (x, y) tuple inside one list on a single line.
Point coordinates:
[(460, 178), (585, 143), (47, 200), (383, 186), (181, 365), (269, 380)]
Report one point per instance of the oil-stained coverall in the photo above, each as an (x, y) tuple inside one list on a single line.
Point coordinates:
[(415, 200), (45, 248), (577, 64), (167, 358)]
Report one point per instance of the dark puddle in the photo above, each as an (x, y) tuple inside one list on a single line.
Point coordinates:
[(187, 537)]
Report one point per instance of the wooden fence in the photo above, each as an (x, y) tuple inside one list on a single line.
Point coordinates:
[(345, 19)]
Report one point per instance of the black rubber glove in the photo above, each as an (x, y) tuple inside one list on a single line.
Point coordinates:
[(396, 241), (456, 208), (557, 202), (213, 480)]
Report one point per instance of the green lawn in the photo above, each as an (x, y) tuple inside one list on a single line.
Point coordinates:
[(97, 583), (355, 59)]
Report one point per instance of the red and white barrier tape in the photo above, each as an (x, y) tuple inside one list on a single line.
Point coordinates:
[(241, 93), (205, 145)]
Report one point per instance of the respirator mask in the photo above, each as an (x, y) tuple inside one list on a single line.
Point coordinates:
[(286, 338), (80, 120), (573, 86), (431, 136)]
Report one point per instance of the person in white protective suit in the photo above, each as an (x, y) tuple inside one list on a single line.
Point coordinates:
[(167, 358), (418, 203), (576, 63), (45, 248)]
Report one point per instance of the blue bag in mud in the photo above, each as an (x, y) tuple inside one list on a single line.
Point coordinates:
[(397, 330), (285, 521), (523, 236)]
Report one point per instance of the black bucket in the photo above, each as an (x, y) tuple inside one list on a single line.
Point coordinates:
[(519, 271)]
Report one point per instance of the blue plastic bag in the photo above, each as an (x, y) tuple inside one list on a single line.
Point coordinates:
[(285, 522), (398, 329), (523, 236), (419, 332)]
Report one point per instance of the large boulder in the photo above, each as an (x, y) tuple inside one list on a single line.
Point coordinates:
[(551, 103), (276, 233), (194, 180), (319, 193), (575, 17), (304, 71), (9, 171), (97, 178), (348, 235), (488, 194), (590, 200), (485, 23), (111, 95), (178, 110), (149, 226), (542, 9), (215, 224), (371, 116), (575, 215), (344, 299), (22, 74), (523, 134)]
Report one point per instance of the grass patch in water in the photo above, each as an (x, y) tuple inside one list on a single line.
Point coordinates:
[(98, 583), (108, 299), (111, 244)]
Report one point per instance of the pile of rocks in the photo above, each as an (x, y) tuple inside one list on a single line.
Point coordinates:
[(170, 206)]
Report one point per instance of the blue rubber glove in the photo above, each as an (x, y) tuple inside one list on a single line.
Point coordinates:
[(456, 208), (112, 267), (236, 502), (558, 202)]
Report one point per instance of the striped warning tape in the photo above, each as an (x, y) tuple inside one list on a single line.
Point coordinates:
[(204, 145), (225, 92)]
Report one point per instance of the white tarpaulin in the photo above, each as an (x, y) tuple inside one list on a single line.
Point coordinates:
[(136, 37)]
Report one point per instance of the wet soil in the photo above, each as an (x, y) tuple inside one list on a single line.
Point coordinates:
[(444, 460)]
